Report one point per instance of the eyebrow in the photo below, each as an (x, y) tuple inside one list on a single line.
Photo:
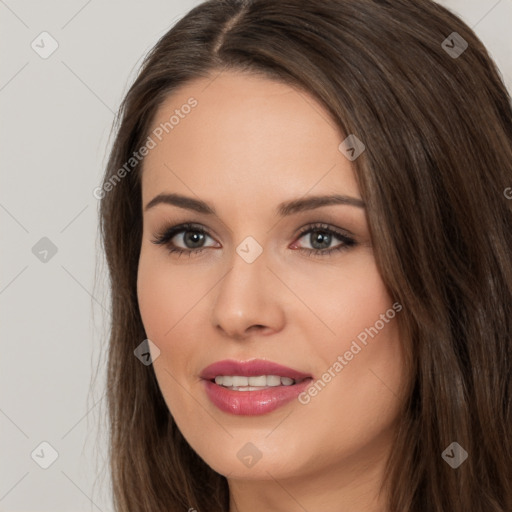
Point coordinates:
[(284, 209)]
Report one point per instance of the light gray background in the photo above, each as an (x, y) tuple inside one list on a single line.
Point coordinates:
[(56, 120)]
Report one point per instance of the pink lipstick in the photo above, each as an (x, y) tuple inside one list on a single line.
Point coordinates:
[(252, 387)]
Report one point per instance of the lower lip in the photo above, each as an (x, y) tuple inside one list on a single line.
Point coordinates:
[(251, 403)]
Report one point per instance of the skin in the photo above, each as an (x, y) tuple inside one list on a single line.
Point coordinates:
[(249, 144)]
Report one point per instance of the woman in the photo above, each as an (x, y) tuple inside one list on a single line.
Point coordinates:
[(308, 234)]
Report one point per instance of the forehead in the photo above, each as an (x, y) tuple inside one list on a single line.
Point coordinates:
[(245, 137)]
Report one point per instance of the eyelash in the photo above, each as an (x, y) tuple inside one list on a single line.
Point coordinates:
[(165, 238)]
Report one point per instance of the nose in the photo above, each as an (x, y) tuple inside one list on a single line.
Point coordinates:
[(248, 300)]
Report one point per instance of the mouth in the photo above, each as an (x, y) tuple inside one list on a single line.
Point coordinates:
[(252, 387), (254, 383)]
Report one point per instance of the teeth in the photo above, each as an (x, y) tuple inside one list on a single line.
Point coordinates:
[(241, 383), (258, 381), (273, 380)]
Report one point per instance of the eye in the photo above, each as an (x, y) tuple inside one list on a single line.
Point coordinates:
[(321, 236), (192, 236)]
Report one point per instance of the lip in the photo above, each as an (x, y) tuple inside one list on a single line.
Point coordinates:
[(251, 368), (252, 403)]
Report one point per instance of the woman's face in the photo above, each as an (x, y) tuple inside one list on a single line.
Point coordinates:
[(296, 286)]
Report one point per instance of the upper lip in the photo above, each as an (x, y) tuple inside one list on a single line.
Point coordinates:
[(251, 368)]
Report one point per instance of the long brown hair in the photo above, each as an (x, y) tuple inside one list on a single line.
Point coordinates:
[(436, 120)]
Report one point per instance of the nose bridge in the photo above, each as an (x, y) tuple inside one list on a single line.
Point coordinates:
[(246, 296), (248, 268)]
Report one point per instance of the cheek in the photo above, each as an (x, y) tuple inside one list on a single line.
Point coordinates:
[(165, 296), (354, 304), (165, 293), (345, 298), (153, 297)]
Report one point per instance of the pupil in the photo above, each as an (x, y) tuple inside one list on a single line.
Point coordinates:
[(194, 237), (323, 238)]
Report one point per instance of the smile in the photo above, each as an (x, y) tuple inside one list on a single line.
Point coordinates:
[(241, 383), (253, 387)]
